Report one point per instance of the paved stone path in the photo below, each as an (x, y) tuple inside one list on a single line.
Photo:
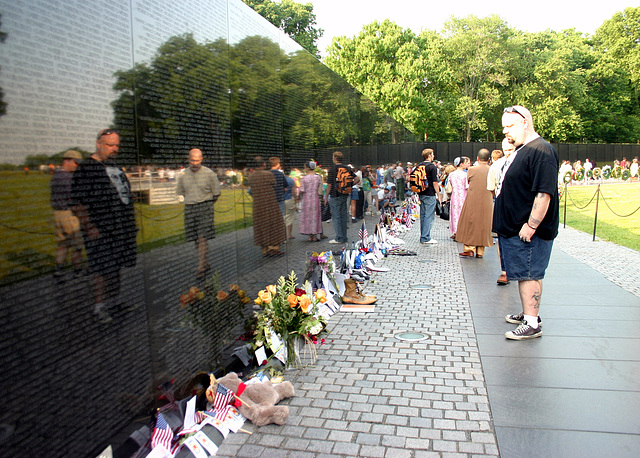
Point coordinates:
[(370, 394)]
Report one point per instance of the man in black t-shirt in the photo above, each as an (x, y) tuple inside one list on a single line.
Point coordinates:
[(525, 216), (104, 205), (428, 197)]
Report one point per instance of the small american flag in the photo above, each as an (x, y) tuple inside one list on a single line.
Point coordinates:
[(221, 400), (363, 234), (162, 433)]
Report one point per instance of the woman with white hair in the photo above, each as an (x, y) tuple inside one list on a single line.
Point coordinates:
[(459, 185), (310, 222)]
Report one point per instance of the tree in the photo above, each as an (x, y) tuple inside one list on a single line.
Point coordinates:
[(386, 64), (471, 62), (295, 19), (619, 39)]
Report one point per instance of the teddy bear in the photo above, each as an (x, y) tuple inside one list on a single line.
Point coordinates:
[(258, 399)]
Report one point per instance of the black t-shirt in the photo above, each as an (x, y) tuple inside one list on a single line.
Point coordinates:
[(534, 170), (331, 179), (432, 176), (103, 188), (281, 184)]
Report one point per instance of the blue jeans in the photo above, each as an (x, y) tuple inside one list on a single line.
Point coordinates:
[(427, 215), (340, 216), (525, 260)]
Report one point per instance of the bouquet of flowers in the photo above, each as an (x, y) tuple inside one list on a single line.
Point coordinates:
[(289, 318), (207, 308), (317, 264)]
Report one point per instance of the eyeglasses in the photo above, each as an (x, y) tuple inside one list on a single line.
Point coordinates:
[(513, 110), (107, 132)]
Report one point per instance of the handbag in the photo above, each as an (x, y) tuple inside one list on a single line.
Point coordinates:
[(438, 208), (325, 211), (449, 187), (444, 211)]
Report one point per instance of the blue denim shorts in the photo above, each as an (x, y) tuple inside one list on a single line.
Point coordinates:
[(354, 194), (525, 260)]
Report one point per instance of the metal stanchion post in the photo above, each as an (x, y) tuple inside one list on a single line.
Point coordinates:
[(595, 218), (565, 207)]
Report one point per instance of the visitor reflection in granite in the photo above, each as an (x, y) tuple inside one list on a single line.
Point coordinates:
[(268, 222)]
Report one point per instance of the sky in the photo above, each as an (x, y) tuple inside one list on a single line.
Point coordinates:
[(346, 17)]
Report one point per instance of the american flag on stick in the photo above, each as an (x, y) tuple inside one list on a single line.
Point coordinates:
[(364, 235), (162, 433), (221, 401)]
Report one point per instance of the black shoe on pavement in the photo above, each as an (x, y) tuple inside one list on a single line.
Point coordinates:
[(524, 332), (518, 319)]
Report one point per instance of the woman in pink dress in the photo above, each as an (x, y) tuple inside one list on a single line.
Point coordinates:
[(459, 183), (310, 222)]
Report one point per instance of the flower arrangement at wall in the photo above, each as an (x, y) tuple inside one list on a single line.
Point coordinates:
[(289, 319), (205, 308)]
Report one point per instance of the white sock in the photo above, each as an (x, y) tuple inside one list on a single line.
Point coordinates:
[(531, 321)]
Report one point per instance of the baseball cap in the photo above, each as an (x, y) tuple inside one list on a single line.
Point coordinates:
[(72, 154)]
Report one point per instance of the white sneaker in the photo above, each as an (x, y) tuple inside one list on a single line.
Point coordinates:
[(334, 241), (430, 242)]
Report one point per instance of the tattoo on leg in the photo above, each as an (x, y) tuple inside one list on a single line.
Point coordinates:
[(536, 298)]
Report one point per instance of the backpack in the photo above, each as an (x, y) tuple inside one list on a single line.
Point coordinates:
[(344, 180), (418, 178)]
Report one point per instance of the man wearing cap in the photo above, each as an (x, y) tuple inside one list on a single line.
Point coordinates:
[(526, 216), (104, 206), (201, 188), (67, 226)]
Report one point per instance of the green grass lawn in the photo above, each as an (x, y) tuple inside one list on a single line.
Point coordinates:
[(27, 241), (616, 203)]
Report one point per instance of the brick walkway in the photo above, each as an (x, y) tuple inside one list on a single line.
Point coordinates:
[(370, 394)]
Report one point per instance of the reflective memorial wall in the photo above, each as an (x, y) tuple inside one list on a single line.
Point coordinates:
[(97, 312)]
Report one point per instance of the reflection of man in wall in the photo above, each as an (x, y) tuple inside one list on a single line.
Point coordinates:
[(200, 187), (281, 181), (104, 206), (67, 226)]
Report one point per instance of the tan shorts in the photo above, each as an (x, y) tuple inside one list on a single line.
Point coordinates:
[(67, 226), (289, 212)]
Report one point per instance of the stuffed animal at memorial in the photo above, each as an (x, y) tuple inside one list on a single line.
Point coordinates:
[(258, 400)]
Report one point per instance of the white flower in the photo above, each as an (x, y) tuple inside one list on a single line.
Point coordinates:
[(317, 329)]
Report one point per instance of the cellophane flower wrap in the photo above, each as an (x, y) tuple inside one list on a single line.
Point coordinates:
[(291, 313)]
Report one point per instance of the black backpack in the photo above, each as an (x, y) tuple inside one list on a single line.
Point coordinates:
[(344, 179), (418, 178)]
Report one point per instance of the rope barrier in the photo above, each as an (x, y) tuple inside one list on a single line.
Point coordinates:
[(620, 216), (24, 231), (582, 208)]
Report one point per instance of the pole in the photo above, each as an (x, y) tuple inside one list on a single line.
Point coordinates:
[(595, 218), (565, 207)]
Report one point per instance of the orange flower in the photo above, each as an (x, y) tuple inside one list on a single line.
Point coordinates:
[(242, 293), (265, 296), (305, 303), (233, 287), (292, 299), (272, 289), (184, 299), (222, 296), (321, 295), (200, 295)]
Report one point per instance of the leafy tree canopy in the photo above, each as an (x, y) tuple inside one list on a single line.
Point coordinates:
[(295, 19)]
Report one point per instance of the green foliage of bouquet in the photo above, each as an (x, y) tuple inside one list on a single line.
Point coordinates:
[(291, 313)]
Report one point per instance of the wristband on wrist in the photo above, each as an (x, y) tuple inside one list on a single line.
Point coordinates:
[(534, 228)]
